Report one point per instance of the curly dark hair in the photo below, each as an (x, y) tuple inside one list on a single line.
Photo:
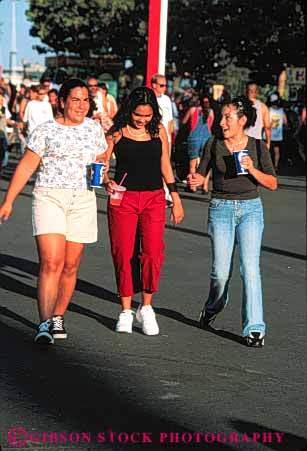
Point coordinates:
[(244, 107), (139, 96), (66, 87)]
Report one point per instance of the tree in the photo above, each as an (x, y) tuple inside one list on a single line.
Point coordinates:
[(85, 27), (204, 36)]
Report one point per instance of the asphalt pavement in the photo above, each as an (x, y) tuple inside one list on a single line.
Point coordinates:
[(185, 389)]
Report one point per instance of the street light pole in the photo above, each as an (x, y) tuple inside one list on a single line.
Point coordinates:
[(13, 51)]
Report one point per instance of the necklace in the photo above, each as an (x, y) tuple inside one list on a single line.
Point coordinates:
[(231, 148), (136, 134)]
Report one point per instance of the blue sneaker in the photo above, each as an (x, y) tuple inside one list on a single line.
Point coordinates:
[(43, 335)]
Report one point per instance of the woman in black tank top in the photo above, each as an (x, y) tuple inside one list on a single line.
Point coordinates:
[(136, 226)]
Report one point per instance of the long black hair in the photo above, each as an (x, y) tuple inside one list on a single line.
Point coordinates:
[(139, 96), (244, 107)]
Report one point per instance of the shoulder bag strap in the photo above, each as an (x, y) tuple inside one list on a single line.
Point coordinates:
[(258, 147)]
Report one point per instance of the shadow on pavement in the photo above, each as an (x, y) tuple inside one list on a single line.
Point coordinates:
[(27, 266), (6, 312), (191, 322), (289, 441), (90, 391), (10, 283), (79, 393), (194, 232)]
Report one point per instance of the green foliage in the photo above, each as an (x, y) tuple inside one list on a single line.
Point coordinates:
[(204, 36), (80, 26)]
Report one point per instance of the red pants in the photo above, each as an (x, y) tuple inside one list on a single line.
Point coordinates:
[(143, 211)]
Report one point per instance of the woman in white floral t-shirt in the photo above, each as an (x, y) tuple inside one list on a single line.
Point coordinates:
[(64, 211)]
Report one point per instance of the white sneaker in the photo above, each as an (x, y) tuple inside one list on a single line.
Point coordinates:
[(125, 321), (146, 316)]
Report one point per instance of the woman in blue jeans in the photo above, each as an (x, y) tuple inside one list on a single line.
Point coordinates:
[(236, 215)]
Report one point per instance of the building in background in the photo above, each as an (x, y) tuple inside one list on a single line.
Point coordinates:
[(29, 73)]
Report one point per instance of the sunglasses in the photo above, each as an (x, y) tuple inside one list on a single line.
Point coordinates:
[(161, 85), (92, 86)]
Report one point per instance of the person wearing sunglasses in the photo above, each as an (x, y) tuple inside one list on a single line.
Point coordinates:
[(98, 97), (159, 86)]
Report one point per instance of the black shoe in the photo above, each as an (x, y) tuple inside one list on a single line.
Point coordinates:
[(57, 327), (206, 322), (43, 335), (254, 340)]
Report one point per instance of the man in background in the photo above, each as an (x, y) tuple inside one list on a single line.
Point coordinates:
[(99, 96), (37, 111), (263, 116), (159, 86)]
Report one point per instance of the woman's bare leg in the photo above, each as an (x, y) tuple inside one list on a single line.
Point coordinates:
[(51, 251), (68, 279)]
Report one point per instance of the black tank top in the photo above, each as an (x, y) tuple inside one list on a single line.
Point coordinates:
[(142, 162)]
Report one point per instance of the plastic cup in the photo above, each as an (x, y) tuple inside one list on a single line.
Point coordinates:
[(117, 196), (97, 174), (238, 155)]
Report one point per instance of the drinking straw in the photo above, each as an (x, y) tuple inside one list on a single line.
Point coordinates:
[(124, 176)]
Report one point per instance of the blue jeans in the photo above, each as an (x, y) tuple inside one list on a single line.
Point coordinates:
[(238, 221)]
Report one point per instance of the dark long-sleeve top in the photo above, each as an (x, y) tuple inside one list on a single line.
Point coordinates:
[(226, 183)]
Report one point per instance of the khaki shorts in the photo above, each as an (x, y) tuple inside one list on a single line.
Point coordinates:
[(70, 212)]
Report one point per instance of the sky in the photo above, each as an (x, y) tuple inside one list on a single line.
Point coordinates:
[(24, 40)]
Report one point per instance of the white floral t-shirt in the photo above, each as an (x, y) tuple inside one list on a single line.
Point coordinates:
[(66, 153)]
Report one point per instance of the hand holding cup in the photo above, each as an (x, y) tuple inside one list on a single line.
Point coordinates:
[(247, 163)]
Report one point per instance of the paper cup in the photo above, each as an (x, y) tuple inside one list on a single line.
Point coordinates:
[(117, 196), (238, 155), (97, 174)]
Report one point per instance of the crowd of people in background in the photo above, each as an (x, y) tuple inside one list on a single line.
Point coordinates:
[(22, 110), (190, 116), (61, 130), (199, 115)]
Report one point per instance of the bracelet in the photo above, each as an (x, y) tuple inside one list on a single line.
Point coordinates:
[(172, 187)]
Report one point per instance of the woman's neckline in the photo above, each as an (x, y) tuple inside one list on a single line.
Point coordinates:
[(130, 132), (136, 140), (231, 150), (63, 125)]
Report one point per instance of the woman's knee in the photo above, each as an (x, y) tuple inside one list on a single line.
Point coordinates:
[(70, 267), (153, 257), (250, 271), (51, 265)]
